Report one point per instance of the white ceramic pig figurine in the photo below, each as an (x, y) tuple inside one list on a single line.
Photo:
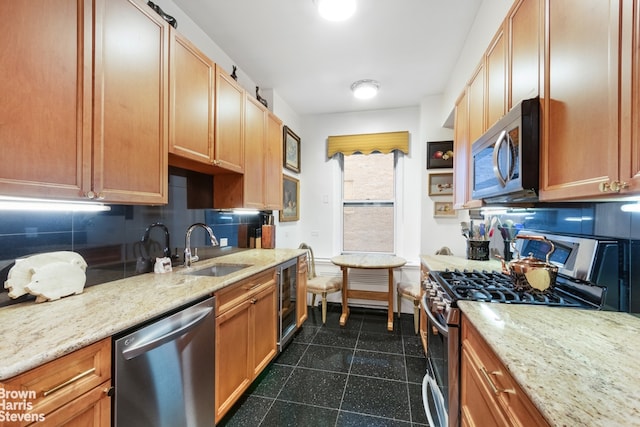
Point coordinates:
[(21, 273), (55, 280)]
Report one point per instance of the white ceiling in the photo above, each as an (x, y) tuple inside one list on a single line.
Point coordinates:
[(409, 46)]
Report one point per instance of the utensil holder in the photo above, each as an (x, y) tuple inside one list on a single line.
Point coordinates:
[(478, 250)]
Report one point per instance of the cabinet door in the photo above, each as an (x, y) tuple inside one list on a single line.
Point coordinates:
[(524, 29), (273, 163), (45, 112), (265, 327), (92, 409), (580, 109), (461, 148), (475, 93), (301, 302), (496, 75), (191, 98), (229, 123), (130, 103), (254, 137), (232, 364)]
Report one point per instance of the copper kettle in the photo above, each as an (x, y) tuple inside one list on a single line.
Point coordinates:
[(531, 273)]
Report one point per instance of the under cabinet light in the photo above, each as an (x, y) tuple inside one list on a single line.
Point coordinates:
[(631, 207), (46, 205), (246, 212)]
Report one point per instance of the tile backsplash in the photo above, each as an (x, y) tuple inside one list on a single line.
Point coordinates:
[(109, 241)]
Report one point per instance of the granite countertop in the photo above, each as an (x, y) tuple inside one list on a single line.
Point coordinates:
[(34, 334), (579, 367), (449, 262)]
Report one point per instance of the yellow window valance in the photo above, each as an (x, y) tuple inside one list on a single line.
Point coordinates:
[(367, 143)]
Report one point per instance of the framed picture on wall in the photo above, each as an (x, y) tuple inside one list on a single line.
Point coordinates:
[(439, 154), (291, 150), (444, 210), (440, 184), (290, 196)]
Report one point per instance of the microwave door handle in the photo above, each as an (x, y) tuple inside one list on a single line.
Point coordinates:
[(496, 150)]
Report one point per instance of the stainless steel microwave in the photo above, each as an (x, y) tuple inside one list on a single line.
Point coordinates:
[(505, 160)]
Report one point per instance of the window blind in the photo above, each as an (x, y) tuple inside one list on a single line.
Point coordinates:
[(385, 142)]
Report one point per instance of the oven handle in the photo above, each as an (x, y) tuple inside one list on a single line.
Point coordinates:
[(428, 382), (442, 329)]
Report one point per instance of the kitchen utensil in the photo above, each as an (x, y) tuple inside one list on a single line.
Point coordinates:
[(529, 272)]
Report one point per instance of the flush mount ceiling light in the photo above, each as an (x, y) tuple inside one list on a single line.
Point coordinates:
[(365, 89), (336, 10)]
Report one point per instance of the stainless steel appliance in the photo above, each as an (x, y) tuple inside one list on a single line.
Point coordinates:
[(287, 287), (164, 374), (580, 260), (505, 159)]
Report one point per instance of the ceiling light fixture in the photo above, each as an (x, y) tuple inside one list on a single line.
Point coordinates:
[(365, 89), (336, 10)]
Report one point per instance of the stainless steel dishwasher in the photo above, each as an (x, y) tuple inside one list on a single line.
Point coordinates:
[(164, 371)]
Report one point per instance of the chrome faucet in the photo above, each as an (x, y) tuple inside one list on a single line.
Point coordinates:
[(188, 258)]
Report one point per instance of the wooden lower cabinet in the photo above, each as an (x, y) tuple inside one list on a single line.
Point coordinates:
[(246, 336), (73, 390), (489, 395), (301, 291)]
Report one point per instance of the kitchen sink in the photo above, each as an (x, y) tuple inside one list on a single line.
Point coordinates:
[(218, 270)]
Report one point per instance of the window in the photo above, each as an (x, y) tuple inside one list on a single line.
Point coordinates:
[(368, 203)]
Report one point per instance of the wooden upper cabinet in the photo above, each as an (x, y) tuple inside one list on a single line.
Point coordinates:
[(273, 159), (580, 141), (191, 124), (131, 96), (496, 77), (45, 112), (254, 138), (461, 148), (525, 29), (229, 123), (475, 93)]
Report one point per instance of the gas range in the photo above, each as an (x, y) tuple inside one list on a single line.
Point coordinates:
[(448, 287)]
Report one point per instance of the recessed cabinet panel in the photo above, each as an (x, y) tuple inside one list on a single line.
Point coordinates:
[(524, 24), (192, 80), (475, 94), (45, 112), (273, 164), (496, 61), (254, 137), (131, 102), (229, 123)]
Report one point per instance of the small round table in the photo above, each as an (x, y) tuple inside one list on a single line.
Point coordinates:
[(367, 261)]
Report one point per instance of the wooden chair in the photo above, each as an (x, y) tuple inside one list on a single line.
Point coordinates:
[(320, 285), (412, 291)]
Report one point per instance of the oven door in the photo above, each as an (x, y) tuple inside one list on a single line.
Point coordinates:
[(435, 389)]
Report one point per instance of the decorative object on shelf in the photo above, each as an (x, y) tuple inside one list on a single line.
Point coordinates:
[(444, 209), (290, 196), (47, 276), (170, 19), (291, 150), (440, 184), (439, 154), (234, 76), (260, 98)]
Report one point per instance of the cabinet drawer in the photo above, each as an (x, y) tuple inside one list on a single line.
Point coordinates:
[(62, 380), (230, 296)]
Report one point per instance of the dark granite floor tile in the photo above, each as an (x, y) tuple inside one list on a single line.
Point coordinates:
[(305, 334), (386, 343), (350, 419), (314, 388), (418, 414), (270, 381), (412, 346), (336, 338), (373, 396), (407, 326), (291, 354), (376, 321), (416, 368), (325, 358), (289, 414), (379, 365), (248, 411)]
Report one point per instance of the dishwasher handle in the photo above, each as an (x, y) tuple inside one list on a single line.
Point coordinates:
[(156, 340)]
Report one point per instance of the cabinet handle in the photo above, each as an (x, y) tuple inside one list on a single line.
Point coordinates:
[(69, 381), (253, 300), (91, 195), (614, 186), (494, 389), (109, 391)]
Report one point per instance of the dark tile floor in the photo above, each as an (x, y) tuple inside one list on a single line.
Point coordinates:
[(352, 376)]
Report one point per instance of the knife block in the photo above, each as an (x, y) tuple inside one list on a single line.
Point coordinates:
[(268, 236)]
